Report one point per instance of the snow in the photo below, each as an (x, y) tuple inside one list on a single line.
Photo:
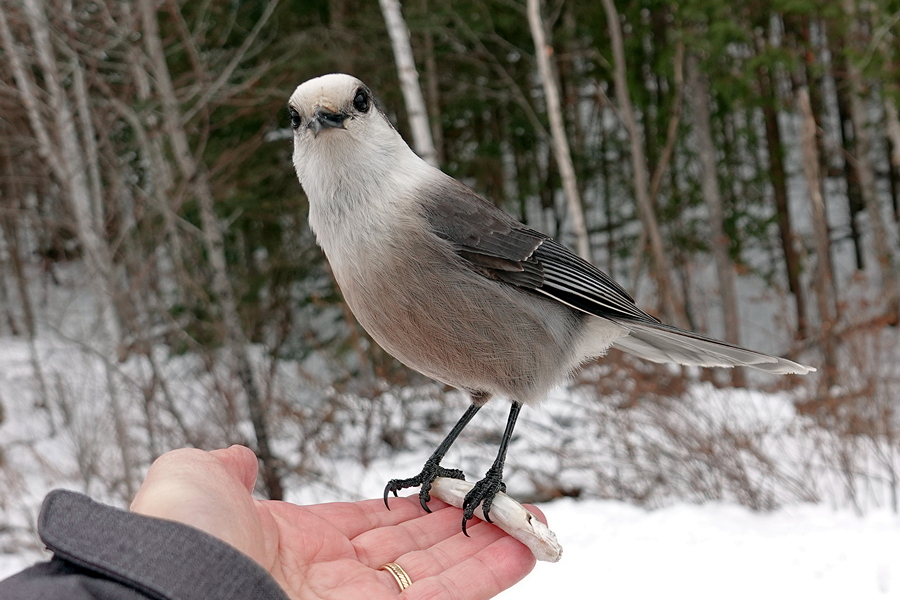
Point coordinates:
[(711, 551)]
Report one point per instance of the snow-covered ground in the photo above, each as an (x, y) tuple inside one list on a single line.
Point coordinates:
[(715, 551)]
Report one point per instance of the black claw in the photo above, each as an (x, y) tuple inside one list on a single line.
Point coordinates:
[(486, 508), (483, 494), (387, 490), (423, 480)]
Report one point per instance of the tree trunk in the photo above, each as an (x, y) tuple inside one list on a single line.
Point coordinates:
[(213, 239), (557, 129), (674, 121), (670, 301), (824, 278), (855, 202), (88, 134), (409, 80), (778, 177), (65, 157), (698, 91), (432, 97)]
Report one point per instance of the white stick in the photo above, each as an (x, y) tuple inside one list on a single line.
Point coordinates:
[(508, 515)]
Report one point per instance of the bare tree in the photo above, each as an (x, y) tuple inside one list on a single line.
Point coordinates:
[(698, 91), (668, 150), (192, 170), (61, 147), (409, 80), (824, 279), (433, 96), (670, 300), (778, 176), (59, 142), (543, 50)]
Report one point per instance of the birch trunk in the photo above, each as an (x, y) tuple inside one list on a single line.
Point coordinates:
[(671, 303), (433, 96), (698, 91), (409, 80), (213, 239), (89, 135), (65, 158), (557, 129), (824, 279)]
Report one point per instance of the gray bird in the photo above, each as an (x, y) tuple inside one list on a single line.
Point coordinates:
[(454, 287)]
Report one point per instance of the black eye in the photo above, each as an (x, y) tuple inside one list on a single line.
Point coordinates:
[(361, 100), (295, 118)]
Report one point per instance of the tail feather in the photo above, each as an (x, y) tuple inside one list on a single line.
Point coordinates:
[(664, 343)]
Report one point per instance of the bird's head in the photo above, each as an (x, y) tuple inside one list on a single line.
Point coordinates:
[(329, 102), (338, 127)]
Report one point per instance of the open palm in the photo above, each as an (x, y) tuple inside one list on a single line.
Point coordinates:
[(333, 550)]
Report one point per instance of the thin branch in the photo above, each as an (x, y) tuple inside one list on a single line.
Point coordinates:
[(233, 64), (674, 121)]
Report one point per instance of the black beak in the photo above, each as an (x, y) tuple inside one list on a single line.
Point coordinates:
[(325, 119)]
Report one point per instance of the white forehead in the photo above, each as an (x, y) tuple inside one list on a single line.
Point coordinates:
[(330, 91)]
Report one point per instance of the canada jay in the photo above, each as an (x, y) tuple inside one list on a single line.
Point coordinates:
[(454, 287)]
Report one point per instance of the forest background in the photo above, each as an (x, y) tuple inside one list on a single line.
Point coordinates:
[(735, 166)]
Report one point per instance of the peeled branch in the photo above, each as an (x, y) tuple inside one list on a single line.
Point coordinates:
[(508, 515)]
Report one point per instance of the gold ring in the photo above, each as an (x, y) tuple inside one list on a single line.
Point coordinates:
[(399, 574)]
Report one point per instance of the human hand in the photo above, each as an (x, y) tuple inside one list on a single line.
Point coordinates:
[(332, 550)]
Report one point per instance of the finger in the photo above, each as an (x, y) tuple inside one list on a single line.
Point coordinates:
[(161, 483), (384, 544), (433, 559), (354, 518), (240, 462), (482, 575), (380, 545)]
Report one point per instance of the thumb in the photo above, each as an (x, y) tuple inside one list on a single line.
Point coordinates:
[(240, 462)]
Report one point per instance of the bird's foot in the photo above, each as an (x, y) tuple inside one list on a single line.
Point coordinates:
[(431, 471), (483, 493)]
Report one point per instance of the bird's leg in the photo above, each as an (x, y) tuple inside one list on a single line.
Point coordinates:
[(433, 468), (484, 491)]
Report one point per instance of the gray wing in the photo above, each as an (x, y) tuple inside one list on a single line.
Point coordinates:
[(498, 247)]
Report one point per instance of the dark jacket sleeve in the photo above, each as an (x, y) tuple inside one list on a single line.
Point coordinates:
[(100, 552)]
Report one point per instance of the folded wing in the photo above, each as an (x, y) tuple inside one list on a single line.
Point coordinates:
[(498, 247)]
